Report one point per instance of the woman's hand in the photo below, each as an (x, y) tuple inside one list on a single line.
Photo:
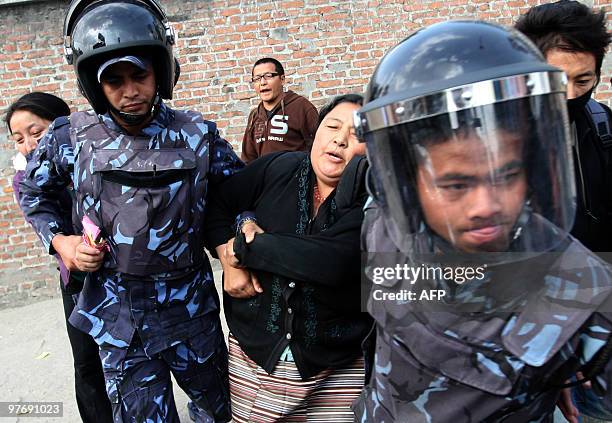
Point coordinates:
[(76, 255), (249, 229)]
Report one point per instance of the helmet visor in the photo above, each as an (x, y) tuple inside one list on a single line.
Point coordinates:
[(491, 180)]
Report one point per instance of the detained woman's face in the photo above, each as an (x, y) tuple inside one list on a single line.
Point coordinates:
[(335, 144), (27, 129)]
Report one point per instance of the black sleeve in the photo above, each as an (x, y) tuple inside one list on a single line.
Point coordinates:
[(608, 169), (331, 257), (234, 195)]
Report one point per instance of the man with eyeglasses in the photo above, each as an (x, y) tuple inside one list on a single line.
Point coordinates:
[(282, 121)]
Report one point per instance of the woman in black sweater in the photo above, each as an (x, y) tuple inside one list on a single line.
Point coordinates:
[(292, 296)]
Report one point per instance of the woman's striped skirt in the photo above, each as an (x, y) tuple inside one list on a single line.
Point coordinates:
[(284, 397)]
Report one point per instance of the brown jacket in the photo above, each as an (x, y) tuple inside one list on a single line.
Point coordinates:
[(291, 127)]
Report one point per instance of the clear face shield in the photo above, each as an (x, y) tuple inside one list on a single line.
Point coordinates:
[(488, 180)]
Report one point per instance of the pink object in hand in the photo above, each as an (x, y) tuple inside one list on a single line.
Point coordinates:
[(92, 235)]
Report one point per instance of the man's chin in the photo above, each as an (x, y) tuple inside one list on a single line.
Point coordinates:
[(495, 246), (136, 112), (128, 123), (477, 243)]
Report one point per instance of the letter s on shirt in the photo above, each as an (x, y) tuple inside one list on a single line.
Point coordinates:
[(278, 125)]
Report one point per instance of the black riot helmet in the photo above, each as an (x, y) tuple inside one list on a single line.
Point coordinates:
[(467, 137), (98, 30)]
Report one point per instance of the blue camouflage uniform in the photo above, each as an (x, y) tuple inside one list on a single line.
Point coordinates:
[(494, 350), (152, 307)]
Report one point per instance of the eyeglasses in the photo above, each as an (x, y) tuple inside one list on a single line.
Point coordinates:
[(266, 76)]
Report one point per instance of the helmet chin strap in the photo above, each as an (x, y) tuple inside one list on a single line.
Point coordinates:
[(135, 119), (522, 221)]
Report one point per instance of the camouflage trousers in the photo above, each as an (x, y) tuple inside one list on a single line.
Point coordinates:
[(140, 388)]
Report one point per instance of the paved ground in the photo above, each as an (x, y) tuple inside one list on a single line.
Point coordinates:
[(36, 360)]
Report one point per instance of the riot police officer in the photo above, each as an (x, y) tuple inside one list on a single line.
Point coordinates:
[(140, 172), (467, 136)]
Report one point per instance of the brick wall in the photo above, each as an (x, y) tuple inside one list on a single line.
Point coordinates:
[(327, 47)]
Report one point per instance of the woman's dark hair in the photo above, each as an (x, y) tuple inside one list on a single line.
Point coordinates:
[(44, 105), (344, 98), (569, 26)]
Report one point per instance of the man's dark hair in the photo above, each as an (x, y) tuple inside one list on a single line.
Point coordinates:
[(277, 65), (44, 105), (344, 98), (567, 25)]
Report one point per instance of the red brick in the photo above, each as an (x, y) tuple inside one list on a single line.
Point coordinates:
[(12, 66)]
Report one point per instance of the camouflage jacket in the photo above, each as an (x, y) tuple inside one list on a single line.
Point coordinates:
[(148, 195), (504, 359)]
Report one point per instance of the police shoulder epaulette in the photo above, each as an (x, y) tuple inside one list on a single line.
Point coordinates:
[(61, 121), (212, 126), (601, 122), (61, 127)]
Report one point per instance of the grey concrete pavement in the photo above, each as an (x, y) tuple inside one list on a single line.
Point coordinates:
[(36, 360)]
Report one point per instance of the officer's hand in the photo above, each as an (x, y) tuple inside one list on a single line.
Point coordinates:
[(585, 385), (255, 282), (249, 229), (240, 283), (237, 282), (75, 254), (88, 259), (230, 256), (567, 407)]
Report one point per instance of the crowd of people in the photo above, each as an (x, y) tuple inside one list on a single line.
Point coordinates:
[(476, 161)]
